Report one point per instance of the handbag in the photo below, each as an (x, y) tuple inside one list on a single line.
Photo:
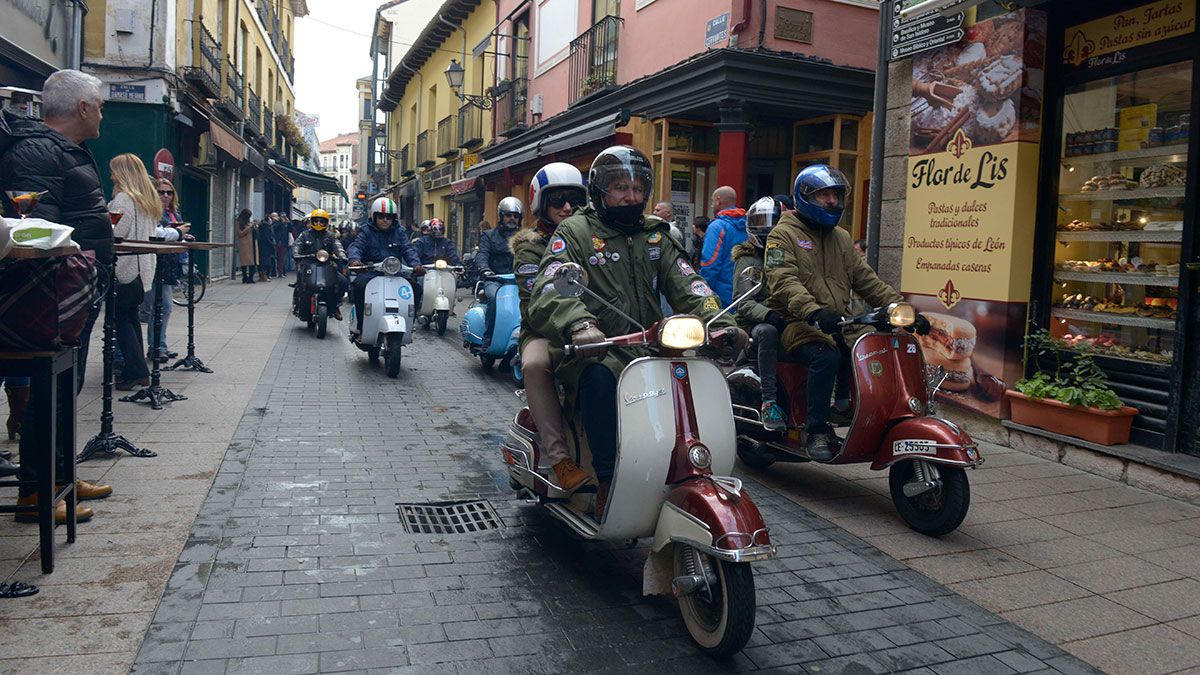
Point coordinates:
[(45, 304)]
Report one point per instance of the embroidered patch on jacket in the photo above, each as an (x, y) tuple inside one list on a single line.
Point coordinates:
[(592, 259), (529, 283), (598, 243), (710, 304), (805, 244), (552, 268), (685, 268), (654, 237), (655, 252), (701, 289), (557, 245), (527, 269), (774, 256)]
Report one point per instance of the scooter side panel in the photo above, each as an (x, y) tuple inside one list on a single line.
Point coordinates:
[(508, 320), (472, 325), (888, 370), (710, 396)]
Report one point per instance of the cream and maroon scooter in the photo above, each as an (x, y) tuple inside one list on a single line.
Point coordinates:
[(676, 447)]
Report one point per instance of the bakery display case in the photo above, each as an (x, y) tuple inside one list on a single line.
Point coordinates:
[(1120, 213)]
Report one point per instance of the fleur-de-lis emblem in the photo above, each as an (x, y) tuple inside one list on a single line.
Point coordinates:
[(960, 144), (1078, 49), (949, 295)]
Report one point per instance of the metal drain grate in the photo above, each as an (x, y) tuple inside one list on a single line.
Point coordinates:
[(461, 517)]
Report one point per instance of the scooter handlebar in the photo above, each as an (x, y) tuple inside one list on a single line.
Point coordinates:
[(575, 350)]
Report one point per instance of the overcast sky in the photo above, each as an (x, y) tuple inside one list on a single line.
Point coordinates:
[(332, 51)]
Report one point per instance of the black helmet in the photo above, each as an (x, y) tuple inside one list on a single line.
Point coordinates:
[(619, 161)]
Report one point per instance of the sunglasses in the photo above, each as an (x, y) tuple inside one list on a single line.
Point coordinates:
[(166, 192), (557, 200)]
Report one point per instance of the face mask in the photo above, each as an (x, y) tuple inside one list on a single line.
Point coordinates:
[(624, 217)]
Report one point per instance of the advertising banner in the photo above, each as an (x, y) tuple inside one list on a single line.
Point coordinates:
[(1117, 37), (971, 202)]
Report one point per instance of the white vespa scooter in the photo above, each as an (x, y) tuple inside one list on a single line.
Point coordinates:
[(387, 314), (676, 448), (438, 295)]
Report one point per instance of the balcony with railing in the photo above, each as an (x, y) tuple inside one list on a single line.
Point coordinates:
[(512, 106), (268, 122), (424, 149), (406, 167), (254, 110), (205, 72), (447, 144), (594, 60), (470, 126), (232, 92)]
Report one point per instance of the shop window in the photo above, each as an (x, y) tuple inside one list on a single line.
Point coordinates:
[(1120, 213), (833, 140), (693, 138)]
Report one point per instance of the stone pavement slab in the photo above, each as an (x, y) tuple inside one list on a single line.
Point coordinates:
[(93, 611), (297, 561)]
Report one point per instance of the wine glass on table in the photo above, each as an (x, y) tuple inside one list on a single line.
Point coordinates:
[(23, 201)]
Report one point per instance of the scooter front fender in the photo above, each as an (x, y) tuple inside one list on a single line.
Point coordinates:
[(393, 323), (441, 303), (932, 439), (716, 515)]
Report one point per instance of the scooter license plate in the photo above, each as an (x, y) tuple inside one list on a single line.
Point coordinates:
[(914, 446)]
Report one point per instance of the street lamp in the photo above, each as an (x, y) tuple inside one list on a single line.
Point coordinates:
[(454, 76)]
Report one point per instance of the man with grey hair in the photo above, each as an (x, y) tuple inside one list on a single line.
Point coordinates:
[(49, 157)]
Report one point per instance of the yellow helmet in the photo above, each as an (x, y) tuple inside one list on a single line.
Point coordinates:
[(315, 218)]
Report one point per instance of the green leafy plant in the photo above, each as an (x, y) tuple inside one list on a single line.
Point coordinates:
[(1075, 381)]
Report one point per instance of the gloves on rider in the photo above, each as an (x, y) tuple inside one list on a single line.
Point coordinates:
[(487, 274), (586, 333), (921, 325), (419, 270), (825, 320), (734, 339), (777, 320)]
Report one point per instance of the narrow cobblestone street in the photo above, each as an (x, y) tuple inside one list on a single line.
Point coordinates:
[(290, 460)]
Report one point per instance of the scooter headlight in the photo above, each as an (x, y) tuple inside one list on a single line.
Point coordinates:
[(681, 332), (440, 265), (322, 256), (901, 314), (699, 456), (390, 266)]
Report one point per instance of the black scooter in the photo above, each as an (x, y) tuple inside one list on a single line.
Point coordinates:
[(316, 286)]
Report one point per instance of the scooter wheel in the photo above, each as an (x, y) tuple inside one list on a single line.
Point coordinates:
[(720, 619), (487, 361), (752, 454), (442, 317), (322, 321), (938, 511)]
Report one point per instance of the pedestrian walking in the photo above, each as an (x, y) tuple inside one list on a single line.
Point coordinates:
[(281, 231), (247, 246), (699, 227), (266, 248), (727, 229), (50, 156)]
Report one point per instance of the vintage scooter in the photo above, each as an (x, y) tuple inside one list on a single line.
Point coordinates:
[(507, 330), (894, 424), (672, 482), (388, 313), (316, 279), (437, 298)]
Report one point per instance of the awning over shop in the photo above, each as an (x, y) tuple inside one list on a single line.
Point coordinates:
[(255, 165), (227, 142), (314, 181), (596, 130), (466, 185)]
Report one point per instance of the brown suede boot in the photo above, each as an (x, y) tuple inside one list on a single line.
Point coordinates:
[(569, 476), (85, 490), (18, 400), (82, 513)]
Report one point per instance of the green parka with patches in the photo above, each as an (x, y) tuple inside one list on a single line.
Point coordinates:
[(528, 246), (635, 268), (753, 310), (809, 269)]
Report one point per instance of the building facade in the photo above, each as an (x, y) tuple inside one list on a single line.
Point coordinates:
[(433, 131), (339, 160)]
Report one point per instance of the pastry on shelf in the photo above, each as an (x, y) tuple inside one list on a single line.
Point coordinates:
[(1162, 175)]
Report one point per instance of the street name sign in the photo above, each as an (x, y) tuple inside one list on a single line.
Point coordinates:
[(926, 32)]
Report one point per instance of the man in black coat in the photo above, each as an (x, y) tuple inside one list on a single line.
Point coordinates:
[(50, 157)]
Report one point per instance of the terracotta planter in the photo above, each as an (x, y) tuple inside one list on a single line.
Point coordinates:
[(1106, 427)]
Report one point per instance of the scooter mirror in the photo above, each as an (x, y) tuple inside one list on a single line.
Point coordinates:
[(570, 280)]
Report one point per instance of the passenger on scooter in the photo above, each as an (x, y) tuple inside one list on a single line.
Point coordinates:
[(555, 191), (435, 246), (318, 237), (495, 257), (763, 323), (811, 270), (628, 257), (379, 240)]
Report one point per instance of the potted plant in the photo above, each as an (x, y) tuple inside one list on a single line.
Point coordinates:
[(1073, 399)]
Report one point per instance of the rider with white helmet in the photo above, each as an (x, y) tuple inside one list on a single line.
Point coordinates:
[(495, 257), (380, 239)]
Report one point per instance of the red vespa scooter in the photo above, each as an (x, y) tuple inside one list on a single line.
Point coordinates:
[(894, 424)]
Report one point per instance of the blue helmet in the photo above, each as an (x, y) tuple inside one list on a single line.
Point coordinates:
[(811, 180)]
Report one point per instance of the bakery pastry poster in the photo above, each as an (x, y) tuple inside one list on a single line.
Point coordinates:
[(970, 203)]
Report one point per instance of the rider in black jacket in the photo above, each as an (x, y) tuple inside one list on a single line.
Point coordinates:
[(318, 237), (436, 246), (495, 257)]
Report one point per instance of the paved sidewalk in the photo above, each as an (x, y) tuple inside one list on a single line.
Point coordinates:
[(1109, 572), (297, 561), (91, 614)]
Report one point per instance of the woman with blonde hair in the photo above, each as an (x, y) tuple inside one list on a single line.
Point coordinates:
[(134, 197)]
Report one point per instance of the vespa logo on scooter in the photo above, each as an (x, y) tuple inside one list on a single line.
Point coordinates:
[(630, 399)]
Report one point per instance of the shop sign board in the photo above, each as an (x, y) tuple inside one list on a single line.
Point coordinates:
[(924, 33), (795, 25), (716, 31), (1118, 37), (127, 92), (969, 216)]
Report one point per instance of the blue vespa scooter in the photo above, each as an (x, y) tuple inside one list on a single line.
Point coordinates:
[(507, 330)]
